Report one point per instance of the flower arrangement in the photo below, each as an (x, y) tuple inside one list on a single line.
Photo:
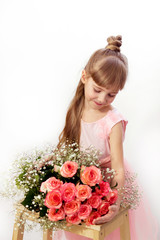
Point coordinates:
[(82, 200), (64, 186)]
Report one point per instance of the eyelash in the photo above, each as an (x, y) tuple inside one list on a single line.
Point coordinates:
[(111, 95), (98, 91)]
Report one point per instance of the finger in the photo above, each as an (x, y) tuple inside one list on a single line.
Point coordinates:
[(48, 158), (113, 208), (104, 165), (95, 221), (98, 222), (101, 220), (107, 218), (102, 161), (107, 159)]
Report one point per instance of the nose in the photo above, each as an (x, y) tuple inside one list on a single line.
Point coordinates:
[(102, 99)]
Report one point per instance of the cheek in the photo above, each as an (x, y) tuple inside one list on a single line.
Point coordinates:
[(110, 100), (91, 95)]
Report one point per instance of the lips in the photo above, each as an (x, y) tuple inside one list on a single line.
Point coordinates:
[(99, 104)]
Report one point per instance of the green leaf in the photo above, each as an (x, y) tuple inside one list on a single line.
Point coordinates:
[(43, 211), (37, 178), (21, 176), (29, 197), (18, 183)]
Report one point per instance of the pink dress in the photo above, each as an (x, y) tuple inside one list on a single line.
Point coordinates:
[(142, 224)]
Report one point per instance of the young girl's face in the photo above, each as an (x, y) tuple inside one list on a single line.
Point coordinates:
[(97, 97)]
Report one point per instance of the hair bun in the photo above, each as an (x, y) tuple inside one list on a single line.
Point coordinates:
[(114, 43)]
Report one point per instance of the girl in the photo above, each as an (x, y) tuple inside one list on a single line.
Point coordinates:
[(90, 110), (92, 120)]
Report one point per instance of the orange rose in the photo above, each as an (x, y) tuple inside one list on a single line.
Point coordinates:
[(92, 217), (68, 191), (91, 176), (57, 168), (94, 200), (112, 196), (55, 215), (53, 183), (43, 187), (83, 192), (103, 208), (72, 207), (53, 199), (50, 184), (73, 219), (69, 169), (84, 211), (104, 188)]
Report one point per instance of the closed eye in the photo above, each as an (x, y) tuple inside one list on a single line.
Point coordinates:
[(97, 91), (110, 95)]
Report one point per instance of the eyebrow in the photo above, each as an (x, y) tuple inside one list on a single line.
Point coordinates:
[(103, 89)]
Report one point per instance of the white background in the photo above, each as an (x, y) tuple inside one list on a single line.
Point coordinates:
[(44, 46)]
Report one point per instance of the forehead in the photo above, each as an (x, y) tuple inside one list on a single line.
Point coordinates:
[(108, 89)]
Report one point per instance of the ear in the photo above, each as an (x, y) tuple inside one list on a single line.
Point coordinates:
[(83, 77)]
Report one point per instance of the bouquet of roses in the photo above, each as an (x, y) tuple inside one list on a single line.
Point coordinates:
[(81, 196), (65, 186)]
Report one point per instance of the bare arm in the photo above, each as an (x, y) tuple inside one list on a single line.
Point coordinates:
[(116, 147)]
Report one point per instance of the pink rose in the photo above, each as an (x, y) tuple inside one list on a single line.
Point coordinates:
[(112, 196), (69, 169), (98, 192), (91, 176), (103, 208), (53, 183), (104, 188), (56, 168), (53, 199), (68, 191), (55, 215), (72, 207), (94, 200), (43, 187), (50, 184), (73, 219), (83, 192), (92, 217), (84, 211)]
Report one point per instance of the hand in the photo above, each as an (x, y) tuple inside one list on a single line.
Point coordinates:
[(105, 162), (113, 210), (46, 158)]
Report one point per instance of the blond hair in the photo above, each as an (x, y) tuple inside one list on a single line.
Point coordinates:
[(107, 67)]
